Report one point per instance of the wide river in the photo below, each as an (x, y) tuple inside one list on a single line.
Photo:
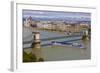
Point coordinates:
[(58, 53)]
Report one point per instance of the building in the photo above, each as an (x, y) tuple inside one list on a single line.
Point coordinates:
[(28, 21)]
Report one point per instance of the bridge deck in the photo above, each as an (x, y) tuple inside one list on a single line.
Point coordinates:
[(48, 44), (53, 38)]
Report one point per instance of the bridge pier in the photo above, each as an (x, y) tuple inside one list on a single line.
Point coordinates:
[(36, 48)]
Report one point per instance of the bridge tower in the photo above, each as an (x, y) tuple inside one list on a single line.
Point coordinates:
[(36, 48), (36, 40), (86, 34)]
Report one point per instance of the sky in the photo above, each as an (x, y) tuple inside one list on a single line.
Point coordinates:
[(56, 15)]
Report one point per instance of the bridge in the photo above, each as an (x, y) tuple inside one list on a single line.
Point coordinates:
[(27, 40), (55, 38)]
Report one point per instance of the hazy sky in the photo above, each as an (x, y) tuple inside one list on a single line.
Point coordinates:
[(54, 15)]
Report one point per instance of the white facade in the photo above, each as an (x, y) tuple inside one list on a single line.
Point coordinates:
[(26, 23)]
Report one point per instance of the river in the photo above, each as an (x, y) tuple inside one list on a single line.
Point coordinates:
[(59, 53)]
